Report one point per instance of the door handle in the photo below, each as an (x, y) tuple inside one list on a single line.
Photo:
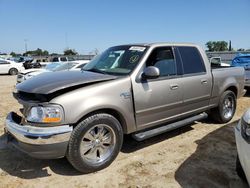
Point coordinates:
[(204, 81), (174, 86)]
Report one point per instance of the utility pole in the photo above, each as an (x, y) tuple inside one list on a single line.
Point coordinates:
[(66, 41), (26, 45)]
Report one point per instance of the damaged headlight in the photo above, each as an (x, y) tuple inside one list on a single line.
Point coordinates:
[(245, 125), (45, 114)]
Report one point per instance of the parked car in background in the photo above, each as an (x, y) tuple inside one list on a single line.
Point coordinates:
[(52, 67), (243, 60), (242, 137), (34, 63), (216, 61), (143, 90), (63, 59), (10, 67)]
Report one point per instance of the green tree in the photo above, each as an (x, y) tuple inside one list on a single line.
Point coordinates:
[(217, 46), (13, 54), (70, 52), (37, 52)]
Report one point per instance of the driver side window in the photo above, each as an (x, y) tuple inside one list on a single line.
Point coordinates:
[(163, 59)]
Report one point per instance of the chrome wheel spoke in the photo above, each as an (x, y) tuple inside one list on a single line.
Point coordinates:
[(101, 131), (106, 140), (92, 154), (89, 136), (86, 146)]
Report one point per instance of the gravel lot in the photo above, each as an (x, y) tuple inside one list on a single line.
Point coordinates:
[(200, 155)]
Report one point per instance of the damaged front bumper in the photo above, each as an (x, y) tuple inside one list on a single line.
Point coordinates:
[(38, 142)]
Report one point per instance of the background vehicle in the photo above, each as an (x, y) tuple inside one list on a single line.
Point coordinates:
[(242, 137), (10, 67), (52, 67), (34, 63), (63, 59), (216, 61), (143, 90), (243, 60)]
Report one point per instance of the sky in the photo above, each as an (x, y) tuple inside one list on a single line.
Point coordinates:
[(86, 25)]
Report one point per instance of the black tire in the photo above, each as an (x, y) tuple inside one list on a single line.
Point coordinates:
[(240, 170), (13, 71), (90, 126), (218, 113)]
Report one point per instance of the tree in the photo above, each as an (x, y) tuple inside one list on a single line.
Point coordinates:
[(37, 52), (13, 54), (217, 46), (70, 52)]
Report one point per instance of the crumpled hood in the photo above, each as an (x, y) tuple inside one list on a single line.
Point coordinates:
[(50, 82)]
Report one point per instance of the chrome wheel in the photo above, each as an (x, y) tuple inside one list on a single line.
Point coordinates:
[(97, 144), (228, 107)]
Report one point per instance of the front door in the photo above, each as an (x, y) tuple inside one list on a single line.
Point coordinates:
[(159, 100)]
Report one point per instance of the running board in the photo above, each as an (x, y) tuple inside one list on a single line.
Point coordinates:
[(169, 127)]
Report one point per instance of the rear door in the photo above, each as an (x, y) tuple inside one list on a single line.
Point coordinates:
[(159, 100), (197, 81), (4, 67)]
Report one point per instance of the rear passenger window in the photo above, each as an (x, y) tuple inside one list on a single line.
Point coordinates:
[(192, 60), (163, 59)]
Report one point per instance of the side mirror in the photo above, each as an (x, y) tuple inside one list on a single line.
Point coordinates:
[(151, 72)]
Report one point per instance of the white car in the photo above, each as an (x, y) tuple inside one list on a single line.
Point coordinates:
[(29, 73), (242, 137), (10, 67)]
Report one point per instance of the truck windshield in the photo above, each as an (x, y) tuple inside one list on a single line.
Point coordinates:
[(120, 60)]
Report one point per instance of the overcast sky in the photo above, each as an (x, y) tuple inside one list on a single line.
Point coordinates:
[(85, 25)]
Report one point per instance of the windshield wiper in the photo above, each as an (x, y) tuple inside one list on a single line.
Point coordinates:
[(96, 70)]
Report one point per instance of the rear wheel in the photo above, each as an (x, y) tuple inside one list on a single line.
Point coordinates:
[(226, 108), (13, 71), (95, 142)]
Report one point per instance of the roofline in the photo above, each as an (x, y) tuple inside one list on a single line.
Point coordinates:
[(157, 44)]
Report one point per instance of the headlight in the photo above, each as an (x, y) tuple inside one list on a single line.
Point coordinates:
[(47, 114), (245, 126)]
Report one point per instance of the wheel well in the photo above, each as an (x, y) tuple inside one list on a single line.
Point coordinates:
[(233, 89), (112, 112)]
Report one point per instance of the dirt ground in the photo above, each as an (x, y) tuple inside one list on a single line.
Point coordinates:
[(200, 155)]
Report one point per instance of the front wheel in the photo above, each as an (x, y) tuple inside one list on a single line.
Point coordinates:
[(226, 108), (95, 143), (13, 71)]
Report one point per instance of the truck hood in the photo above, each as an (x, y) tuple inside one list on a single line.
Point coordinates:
[(50, 82)]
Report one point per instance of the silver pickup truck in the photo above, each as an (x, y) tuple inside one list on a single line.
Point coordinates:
[(140, 89)]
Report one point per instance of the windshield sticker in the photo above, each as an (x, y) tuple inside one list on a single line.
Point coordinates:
[(137, 48), (133, 58)]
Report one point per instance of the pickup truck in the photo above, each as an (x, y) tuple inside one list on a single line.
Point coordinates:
[(141, 89)]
